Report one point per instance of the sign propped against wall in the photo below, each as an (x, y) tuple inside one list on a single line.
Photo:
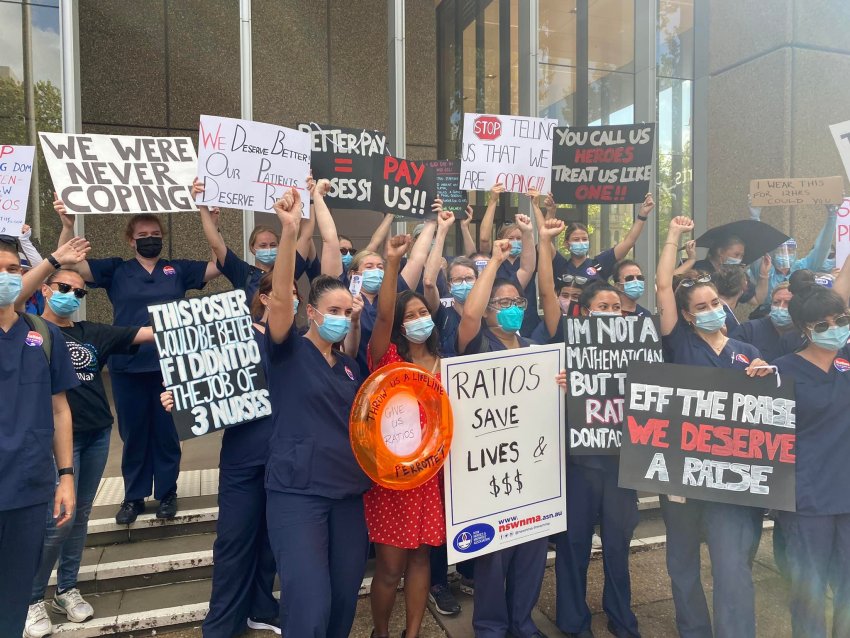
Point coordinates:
[(511, 150), (796, 191), (842, 233), (599, 351), (505, 478), (841, 135), (448, 186), (120, 173), (15, 177), (603, 164), (211, 362), (250, 165), (711, 434)]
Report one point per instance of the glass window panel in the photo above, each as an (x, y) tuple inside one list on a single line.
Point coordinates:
[(557, 33), (674, 47), (611, 35), (491, 58), (610, 98), (557, 86)]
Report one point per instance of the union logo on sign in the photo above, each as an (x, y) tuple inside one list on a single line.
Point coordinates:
[(487, 127)]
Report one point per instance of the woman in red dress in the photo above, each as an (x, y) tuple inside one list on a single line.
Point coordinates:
[(403, 525)]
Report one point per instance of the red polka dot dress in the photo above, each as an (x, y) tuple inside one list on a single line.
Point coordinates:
[(405, 518)]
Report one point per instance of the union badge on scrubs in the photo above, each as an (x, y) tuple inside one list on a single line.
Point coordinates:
[(33, 339), (169, 270), (349, 373), (842, 365), (740, 358), (591, 271)]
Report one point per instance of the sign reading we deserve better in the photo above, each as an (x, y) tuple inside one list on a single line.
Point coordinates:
[(505, 477), (120, 173), (250, 165), (796, 191), (711, 434), (211, 362), (15, 177), (511, 150)]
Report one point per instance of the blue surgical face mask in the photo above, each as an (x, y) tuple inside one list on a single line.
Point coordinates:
[(295, 306), (579, 248), (461, 291), (10, 288), (780, 316), (333, 328), (782, 261), (516, 247), (372, 280), (510, 319), (63, 304), (834, 338), (418, 330), (732, 261), (266, 255), (634, 289), (346, 260), (710, 320)]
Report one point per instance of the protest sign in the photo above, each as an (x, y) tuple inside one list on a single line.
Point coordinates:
[(120, 173), (15, 177), (250, 165), (211, 362), (795, 191), (508, 149), (841, 135), (351, 159), (712, 434), (448, 186), (598, 352), (505, 480), (404, 187), (842, 233), (603, 164)]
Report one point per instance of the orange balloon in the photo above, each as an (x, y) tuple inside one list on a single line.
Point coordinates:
[(386, 436)]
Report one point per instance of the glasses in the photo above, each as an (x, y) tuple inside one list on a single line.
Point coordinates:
[(79, 293), (690, 283), (506, 302), (634, 278), (573, 279), (840, 321), (462, 280), (348, 251)]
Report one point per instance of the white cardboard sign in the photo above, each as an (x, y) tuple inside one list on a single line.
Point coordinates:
[(15, 176), (842, 233), (841, 135)]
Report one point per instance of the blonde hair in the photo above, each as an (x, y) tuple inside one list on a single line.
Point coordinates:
[(262, 229), (360, 257)]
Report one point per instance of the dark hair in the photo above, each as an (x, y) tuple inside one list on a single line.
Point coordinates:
[(623, 264), (466, 262), (573, 227), (592, 289), (730, 281), (265, 288), (683, 293), (346, 238), (12, 248), (812, 303), (723, 244), (506, 282), (800, 280), (130, 229), (397, 336), (322, 285)]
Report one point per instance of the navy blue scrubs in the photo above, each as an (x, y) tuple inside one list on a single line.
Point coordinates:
[(151, 456), (315, 488), (818, 533), (732, 532), (530, 319), (244, 566), (639, 311), (600, 267), (762, 334), (27, 384), (244, 276), (507, 582), (447, 321)]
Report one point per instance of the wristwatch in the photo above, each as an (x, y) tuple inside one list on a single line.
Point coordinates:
[(643, 218), (54, 262), (66, 470)]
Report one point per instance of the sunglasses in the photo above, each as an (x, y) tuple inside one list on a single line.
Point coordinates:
[(634, 278), (690, 283), (79, 293), (348, 251), (840, 321), (506, 302), (11, 241), (573, 279)]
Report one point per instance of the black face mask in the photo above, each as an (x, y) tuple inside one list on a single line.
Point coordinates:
[(149, 247)]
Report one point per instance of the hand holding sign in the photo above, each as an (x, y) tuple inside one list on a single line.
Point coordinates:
[(648, 205), (445, 219), (59, 206), (495, 190)]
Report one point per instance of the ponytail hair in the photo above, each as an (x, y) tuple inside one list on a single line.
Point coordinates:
[(812, 303)]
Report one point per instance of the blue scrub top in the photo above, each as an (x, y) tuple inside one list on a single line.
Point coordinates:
[(762, 334), (310, 450), (639, 311), (600, 267), (131, 289), (823, 433), (447, 321), (27, 384), (247, 445), (684, 346), (442, 284), (486, 341), (244, 276)]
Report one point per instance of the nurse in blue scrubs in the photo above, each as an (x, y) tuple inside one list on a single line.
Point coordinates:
[(314, 485), (629, 281), (818, 533), (770, 334), (731, 283), (692, 318), (151, 456)]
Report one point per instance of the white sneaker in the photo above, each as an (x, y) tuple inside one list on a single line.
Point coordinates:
[(596, 542), (38, 622), (71, 604)]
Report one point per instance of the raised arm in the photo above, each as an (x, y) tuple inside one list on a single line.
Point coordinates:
[(67, 255), (380, 234), (331, 257), (281, 311), (67, 234), (469, 246), (305, 246), (622, 249), (435, 257), (28, 248), (351, 343), (688, 264), (476, 303), (379, 343), (528, 256), (814, 260), (546, 277), (412, 270), (485, 230), (665, 295), (211, 232), (534, 196), (763, 282), (550, 206)]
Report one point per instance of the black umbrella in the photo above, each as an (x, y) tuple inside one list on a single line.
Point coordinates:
[(759, 238)]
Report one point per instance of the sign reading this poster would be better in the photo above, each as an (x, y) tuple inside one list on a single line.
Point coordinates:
[(841, 135), (603, 164), (511, 150), (250, 165), (712, 434), (598, 352), (15, 177), (842, 233), (211, 362), (796, 191), (448, 186), (121, 174), (505, 477)]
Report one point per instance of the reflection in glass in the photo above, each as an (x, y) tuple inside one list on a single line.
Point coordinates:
[(557, 33), (675, 175), (611, 35), (674, 49)]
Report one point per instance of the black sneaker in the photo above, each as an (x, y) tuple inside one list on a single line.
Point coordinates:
[(443, 600), (129, 511), (265, 624), (167, 506)]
